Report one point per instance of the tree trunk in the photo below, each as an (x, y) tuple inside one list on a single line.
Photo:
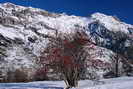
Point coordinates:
[(117, 67), (71, 83)]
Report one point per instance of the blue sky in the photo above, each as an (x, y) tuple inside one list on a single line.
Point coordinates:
[(120, 8)]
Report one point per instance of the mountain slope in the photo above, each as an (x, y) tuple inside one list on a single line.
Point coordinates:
[(23, 32)]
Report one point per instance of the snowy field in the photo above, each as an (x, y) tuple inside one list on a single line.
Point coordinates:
[(114, 83)]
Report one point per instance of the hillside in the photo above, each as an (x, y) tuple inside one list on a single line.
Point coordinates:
[(23, 32)]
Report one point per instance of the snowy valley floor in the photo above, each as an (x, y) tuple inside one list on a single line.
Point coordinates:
[(114, 83)]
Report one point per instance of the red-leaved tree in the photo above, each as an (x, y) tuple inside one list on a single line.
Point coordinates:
[(66, 54)]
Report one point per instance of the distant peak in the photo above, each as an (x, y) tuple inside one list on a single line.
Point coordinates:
[(111, 22), (97, 14)]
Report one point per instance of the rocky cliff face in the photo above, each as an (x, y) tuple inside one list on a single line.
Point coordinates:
[(23, 32)]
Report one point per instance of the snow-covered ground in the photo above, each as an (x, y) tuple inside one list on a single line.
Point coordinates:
[(114, 83)]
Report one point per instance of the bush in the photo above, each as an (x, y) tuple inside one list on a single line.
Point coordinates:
[(16, 76), (40, 75), (20, 76)]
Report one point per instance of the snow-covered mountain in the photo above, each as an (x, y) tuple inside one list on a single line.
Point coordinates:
[(23, 32)]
